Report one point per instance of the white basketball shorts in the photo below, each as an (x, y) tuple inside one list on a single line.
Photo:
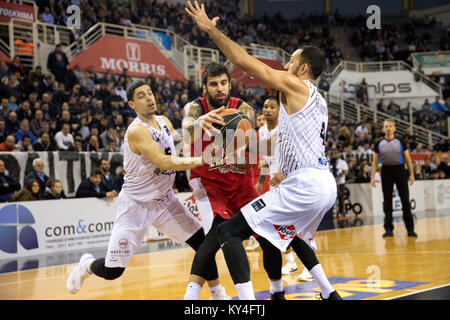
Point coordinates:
[(167, 215), (295, 207)]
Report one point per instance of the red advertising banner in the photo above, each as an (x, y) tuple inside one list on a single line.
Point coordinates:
[(140, 58), (421, 157), (9, 10), (241, 77)]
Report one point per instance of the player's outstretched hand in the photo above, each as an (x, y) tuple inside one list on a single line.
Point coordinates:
[(207, 120), (200, 17)]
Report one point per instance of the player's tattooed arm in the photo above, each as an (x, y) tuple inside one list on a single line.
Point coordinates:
[(249, 112), (194, 122), (191, 113)]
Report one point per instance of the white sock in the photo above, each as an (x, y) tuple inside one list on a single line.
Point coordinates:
[(325, 285), (276, 285), (192, 291), (289, 257), (245, 291), (87, 265), (213, 291)]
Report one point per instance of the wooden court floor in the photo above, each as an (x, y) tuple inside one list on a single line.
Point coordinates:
[(358, 261)]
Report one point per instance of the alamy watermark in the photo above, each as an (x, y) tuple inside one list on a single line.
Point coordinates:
[(74, 19), (374, 20)]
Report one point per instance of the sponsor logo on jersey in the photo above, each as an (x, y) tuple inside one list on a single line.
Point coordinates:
[(258, 204), (286, 232), (123, 243)]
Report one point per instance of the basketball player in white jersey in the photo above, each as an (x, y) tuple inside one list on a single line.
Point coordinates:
[(290, 213), (146, 197), (269, 130)]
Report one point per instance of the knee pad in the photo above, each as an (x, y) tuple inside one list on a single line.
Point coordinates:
[(113, 273)]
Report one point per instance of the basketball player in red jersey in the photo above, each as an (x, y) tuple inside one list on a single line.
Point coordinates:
[(222, 191)]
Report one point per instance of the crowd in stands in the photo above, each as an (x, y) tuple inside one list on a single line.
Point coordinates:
[(274, 31), (396, 41)]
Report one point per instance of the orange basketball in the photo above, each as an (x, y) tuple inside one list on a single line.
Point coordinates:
[(237, 126)]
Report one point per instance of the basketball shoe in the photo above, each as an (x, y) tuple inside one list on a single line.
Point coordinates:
[(305, 275), (289, 268), (252, 244), (221, 295), (79, 274)]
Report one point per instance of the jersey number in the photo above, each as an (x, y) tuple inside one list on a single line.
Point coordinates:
[(323, 133)]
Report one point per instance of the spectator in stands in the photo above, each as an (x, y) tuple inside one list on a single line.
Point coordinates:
[(363, 129), (441, 146), (12, 124), (30, 192), (7, 184), (353, 171), (44, 143), (110, 147), (78, 144), (35, 123), (16, 66), (260, 120), (24, 111), (38, 174), (46, 85), (419, 148), (363, 176), (24, 129), (443, 166), (3, 134), (13, 106), (446, 106), (9, 144), (54, 190), (108, 179), (418, 172), (344, 90), (64, 139), (24, 144), (323, 83), (109, 134), (426, 169), (92, 187), (47, 16), (436, 105), (339, 169), (92, 145)]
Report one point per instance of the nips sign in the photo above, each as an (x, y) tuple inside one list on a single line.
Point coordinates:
[(140, 58)]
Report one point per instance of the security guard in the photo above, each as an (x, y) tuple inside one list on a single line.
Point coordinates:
[(393, 153)]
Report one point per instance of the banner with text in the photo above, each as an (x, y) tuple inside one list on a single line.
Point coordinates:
[(140, 58), (385, 84), (10, 10)]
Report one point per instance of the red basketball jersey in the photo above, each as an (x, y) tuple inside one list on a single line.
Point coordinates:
[(226, 180)]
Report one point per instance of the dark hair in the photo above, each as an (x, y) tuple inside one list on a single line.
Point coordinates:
[(214, 69), (274, 99), (133, 87), (96, 172), (315, 58)]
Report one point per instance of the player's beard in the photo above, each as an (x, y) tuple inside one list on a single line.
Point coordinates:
[(217, 104)]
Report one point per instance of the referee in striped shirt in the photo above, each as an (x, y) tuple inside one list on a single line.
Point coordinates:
[(393, 153)]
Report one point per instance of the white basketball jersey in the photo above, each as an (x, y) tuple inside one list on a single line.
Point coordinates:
[(301, 136), (265, 134), (143, 180)]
